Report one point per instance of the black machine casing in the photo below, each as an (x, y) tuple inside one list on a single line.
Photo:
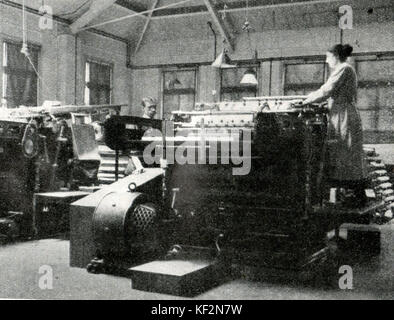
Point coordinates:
[(276, 214), (16, 171)]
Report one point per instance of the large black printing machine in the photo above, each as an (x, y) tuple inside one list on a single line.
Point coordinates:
[(46, 152), (223, 186), (226, 184)]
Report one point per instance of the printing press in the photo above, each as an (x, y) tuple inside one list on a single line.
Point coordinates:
[(43, 154), (229, 183)]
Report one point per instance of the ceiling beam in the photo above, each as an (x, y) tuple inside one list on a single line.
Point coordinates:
[(96, 8), (219, 23), (131, 6), (237, 6), (62, 21), (156, 2)]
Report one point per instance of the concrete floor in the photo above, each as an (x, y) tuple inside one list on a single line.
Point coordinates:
[(20, 263)]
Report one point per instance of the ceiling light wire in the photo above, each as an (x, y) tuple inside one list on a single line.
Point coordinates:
[(25, 48)]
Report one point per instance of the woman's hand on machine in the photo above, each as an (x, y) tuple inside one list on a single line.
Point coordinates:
[(296, 103)]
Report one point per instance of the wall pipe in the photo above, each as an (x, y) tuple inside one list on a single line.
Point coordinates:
[(215, 38)]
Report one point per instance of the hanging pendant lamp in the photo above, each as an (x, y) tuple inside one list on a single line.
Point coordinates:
[(249, 78)]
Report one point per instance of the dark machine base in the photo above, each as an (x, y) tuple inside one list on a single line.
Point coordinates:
[(360, 240), (317, 265), (178, 277), (317, 268), (190, 277)]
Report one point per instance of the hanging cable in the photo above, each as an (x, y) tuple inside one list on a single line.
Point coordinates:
[(35, 69), (25, 48), (246, 26), (249, 77), (23, 22), (246, 10)]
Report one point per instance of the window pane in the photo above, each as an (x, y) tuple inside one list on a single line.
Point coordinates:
[(99, 96), (98, 83), (377, 93), (386, 120), (301, 91), (386, 97), (20, 82), (184, 102), (171, 103), (237, 95), (376, 70), (368, 119), (4, 54), (293, 92), (366, 98), (231, 88), (100, 74), (179, 79), (233, 76), (304, 73), (179, 91)]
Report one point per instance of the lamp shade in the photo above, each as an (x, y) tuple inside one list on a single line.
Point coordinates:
[(249, 78), (223, 61)]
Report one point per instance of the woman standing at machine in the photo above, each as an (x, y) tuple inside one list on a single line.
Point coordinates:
[(345, 136)]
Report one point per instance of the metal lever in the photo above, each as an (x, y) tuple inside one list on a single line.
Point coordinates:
[(220, 236), (174, 192)]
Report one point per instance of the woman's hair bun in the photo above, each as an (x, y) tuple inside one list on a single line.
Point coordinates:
[(341, 51), (347, 50)]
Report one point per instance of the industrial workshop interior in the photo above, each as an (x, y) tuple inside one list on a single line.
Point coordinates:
[(196, 150)]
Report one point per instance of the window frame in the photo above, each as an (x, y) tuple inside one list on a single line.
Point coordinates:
[(374, 136), (31, 45), (239, 87), (304, 61), (178, 91), (110, 64)]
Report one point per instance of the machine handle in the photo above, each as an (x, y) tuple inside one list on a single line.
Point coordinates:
[(132, 187)]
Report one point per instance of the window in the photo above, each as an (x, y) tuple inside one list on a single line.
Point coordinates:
[(302, 78), (375, 99), (179, 91), (375, 91), (231, 89), (20, 81), (98, 83)]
